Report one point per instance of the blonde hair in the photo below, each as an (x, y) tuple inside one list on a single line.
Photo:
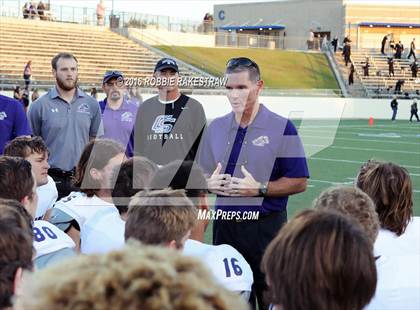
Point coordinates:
[(158, 217), (352, 202), (136, 277)]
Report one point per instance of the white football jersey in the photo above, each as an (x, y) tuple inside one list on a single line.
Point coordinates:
[(80, 207), (388, 243), (226, 264), (398, 284), (103, 232), (47, 196), (48, 238)]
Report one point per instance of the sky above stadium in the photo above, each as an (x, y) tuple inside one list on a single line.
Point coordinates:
[(186, 9)]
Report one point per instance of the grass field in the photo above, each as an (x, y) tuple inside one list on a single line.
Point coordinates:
[(355, 142), (280, 69)]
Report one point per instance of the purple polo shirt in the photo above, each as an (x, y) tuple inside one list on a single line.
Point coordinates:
[(269, 148), (119, 124), (13, 121)]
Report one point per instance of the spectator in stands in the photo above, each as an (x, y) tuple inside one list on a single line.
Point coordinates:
[(15, 252), (35, 95), (66, 118), (399, 48), (351, 75), (311, 40), (414, 110), (100, 13), (94, 93), (27, 72), (398, 86), (41, 10), (133, 278), (347, 52), (334, 43), (414, 69), (412, 49), (394, 107), (34, 150), (25, 10), (164, 138), (17, 182), (339, 252), (383, 43), (13, 121), (32, 10), (346, 39), (17, 93), (366, 67), (25, 99), (391, 66), (134, 96), (92, 193), (189, 176), (317, 42), (118, 114)]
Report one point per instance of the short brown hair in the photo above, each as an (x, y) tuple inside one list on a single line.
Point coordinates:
[(136, 277), (390, 188), (320, 260), (133, 176), (96, 154), (158, 217), (14, 212), (352, 202), (57, 57), (25, 146), (16, 180), (15, 252)]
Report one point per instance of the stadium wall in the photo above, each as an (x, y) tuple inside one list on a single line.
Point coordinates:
[(164, 37)]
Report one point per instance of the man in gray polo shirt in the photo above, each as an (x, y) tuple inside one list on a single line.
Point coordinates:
[(66, 118)]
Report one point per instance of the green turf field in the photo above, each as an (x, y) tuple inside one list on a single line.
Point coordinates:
[(280, 69), (355, 142)]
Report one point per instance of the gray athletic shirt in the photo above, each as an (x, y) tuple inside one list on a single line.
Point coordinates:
[(65, 127)]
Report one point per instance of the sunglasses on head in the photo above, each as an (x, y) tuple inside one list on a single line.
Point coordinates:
[(241, 61)]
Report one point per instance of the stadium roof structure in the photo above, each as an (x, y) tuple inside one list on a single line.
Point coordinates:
[(389, 25), (253, 27)]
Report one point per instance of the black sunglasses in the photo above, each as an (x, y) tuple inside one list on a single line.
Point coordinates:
[(233, 63), (111, 73)]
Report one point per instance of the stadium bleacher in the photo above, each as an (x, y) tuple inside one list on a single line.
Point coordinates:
[(378, 83), (97, 48)]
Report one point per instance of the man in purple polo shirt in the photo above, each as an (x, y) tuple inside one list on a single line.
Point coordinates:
[(13, 121), (118, 114), (255, 160)]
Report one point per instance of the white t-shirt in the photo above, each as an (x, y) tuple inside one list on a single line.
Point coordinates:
[(47, 196), (48, 239), (81, 208), (398, 286), (103, 232), (388, 243), (226, 264)]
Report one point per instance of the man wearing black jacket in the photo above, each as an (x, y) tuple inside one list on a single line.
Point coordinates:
[(169, 126), (394, 107)]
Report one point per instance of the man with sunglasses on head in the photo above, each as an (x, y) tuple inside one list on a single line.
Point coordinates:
[(118, 114), (255, 160), (66, 118), (169, 126)]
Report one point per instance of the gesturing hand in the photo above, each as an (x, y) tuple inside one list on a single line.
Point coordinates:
[(246, 187), (219, 183)]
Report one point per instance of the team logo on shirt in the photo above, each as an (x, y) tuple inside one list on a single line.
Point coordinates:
[(261, 141), (3, 115), (127, 117), (159, 125), (83, 108)]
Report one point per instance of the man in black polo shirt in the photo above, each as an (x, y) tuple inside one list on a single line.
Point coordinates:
[(169, 126)]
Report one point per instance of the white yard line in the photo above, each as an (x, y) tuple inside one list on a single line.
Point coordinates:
[(353, 161), (361, 140), (363, 149)]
